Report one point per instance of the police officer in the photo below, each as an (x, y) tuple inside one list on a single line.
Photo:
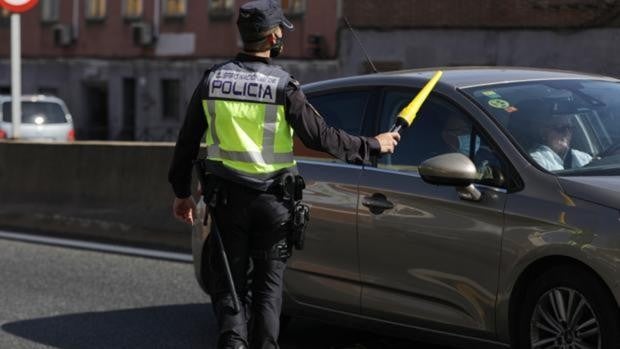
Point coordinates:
[(248, 107)]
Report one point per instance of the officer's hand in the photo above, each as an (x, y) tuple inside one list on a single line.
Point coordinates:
[(183, 209), (388, 141)]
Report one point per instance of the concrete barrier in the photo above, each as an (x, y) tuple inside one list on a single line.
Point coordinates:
[(104, 191)]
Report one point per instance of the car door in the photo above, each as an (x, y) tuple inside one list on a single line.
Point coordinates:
[(326, 272), (427, 257)]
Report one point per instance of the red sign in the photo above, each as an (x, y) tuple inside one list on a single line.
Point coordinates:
[(18, 6)]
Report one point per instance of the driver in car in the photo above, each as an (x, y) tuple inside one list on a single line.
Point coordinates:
[(554, 151)]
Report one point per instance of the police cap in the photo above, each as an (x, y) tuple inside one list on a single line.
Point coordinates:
[(258, 16)]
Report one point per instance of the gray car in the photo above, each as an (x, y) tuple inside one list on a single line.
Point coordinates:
[(44, 118), (495, 223)]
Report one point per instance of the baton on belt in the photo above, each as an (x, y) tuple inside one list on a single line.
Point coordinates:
[(201, 172), (229, 278), (407, 115)]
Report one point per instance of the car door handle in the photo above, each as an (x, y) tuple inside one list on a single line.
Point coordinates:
[(377, 203)]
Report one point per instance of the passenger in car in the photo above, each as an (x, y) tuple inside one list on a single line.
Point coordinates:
[(456, 135)]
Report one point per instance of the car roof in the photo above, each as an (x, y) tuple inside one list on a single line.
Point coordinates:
[(460, 77), (33, 98)]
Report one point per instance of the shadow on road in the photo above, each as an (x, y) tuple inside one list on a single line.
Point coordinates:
[(173, 326), (309, 334), (179, 326)]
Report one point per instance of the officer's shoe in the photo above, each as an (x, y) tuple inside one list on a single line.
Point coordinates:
[(231, 340)]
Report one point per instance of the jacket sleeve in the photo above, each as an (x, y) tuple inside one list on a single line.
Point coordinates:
[(188, 144), (315, 134)]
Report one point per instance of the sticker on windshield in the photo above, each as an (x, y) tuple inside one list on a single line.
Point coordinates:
[(499, 103), (491, 94)]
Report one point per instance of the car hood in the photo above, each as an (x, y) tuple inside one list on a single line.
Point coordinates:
[(603, 190)]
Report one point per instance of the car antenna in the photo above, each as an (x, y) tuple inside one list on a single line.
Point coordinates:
[(372, 65)]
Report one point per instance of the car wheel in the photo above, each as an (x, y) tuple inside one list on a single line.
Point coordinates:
[(568, 308)]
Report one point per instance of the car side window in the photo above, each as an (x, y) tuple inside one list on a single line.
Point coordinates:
[(344, 110), (439, 128)]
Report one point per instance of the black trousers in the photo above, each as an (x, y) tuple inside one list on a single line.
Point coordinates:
[(252, 226)]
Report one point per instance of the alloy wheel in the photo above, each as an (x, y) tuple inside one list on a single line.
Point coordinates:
[(563, 318)]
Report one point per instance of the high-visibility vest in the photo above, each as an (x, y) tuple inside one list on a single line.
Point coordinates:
[(247, 127)]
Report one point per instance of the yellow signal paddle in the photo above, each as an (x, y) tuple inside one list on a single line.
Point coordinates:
[(407, 115)]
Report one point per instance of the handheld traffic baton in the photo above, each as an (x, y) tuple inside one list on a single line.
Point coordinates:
[(210, 201), (407, 115)]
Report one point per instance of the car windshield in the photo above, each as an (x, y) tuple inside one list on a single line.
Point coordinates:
[(38, 113), (568, 127)]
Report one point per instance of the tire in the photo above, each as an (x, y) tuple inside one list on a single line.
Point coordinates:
[(567, 307)]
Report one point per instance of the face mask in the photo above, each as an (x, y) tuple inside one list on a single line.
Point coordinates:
[(277, 48)]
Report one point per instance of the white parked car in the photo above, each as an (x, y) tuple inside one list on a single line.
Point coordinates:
[(43, 118)]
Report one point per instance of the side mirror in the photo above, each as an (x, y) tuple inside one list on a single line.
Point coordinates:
[(453, 169)]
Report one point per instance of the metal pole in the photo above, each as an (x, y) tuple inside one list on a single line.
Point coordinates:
[(76, 20), (16, 74), (156, 17)]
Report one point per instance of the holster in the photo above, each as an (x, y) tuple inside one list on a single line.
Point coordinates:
[(212, 191), (291, 187), (211, 185), (299, 223)]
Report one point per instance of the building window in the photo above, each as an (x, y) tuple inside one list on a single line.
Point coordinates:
[(174, 8), (49, 11), (294, 8), (5, 16), (95, 9), (170, 97), (132, 9), (221, 9)]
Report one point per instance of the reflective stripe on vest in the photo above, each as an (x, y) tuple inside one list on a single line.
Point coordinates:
[(267, 156)]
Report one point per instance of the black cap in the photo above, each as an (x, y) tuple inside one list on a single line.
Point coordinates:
[(258, 16)]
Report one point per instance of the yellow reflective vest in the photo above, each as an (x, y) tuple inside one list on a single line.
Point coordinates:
[(247, 127)]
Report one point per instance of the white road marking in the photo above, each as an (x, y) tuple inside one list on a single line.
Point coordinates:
[(96, 246)]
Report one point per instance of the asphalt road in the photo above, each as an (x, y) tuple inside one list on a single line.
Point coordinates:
[(69, 298)]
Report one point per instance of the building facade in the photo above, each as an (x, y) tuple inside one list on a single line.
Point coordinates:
[(563, 34), (127, 68)]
